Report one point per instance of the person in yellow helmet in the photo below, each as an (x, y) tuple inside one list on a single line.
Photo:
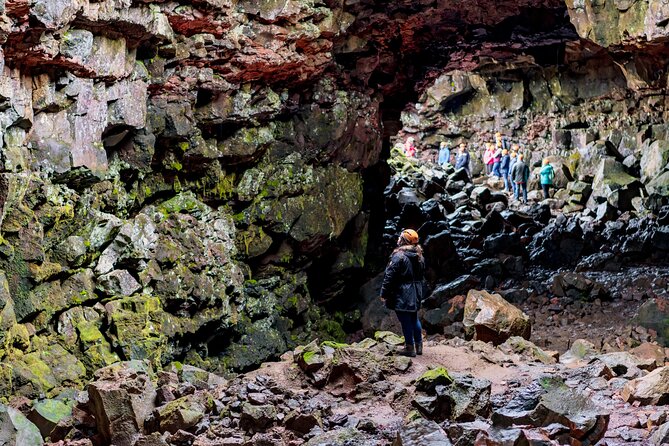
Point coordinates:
[(402, 289)]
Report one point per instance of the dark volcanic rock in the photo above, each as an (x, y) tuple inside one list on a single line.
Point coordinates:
[(421, 432), (549, 401), (452, 396)]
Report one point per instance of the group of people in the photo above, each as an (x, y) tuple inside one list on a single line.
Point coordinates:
[(460, 159), (502, 160)]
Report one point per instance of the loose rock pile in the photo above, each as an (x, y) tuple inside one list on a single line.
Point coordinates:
[(363, 394)]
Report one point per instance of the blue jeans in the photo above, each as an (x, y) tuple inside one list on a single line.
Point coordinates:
[(495, 170), (505, 177), (411, 327), (517, 191)]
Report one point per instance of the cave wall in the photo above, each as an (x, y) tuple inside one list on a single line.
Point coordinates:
[(177, 177), (597, 108)]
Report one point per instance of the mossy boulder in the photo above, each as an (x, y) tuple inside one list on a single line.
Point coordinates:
[(136, 327), (185, 412), (43, 371), (46, 414), (614, 185), (429, 380), (16, 429), (309, 204), (310, 358), (389, 338)]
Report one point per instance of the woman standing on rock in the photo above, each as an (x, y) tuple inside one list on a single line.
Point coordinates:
[(547, 175), (402, 289), (462, 160)]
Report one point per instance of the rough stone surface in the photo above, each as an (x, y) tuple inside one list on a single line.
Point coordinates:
[(650, 389), (488, 317)]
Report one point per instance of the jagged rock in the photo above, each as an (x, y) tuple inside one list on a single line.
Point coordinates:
[(528, 350), (595, 369), (303, 423), (466, 433), (118, 283), (488, 317), (201, 379), (45, 370), (429, 380), (653, 314), (421, 432), (459, 286), (255, 418), (340, 437), (185, 412), (452, 396), (580, 349), (450, 313), (499, 437), (661, 435), (549, 401), (650, 352), (650, 389), (625, 364), (122, 398), (310, 358), (46, 415), (576, 285), (15, 429), (654, 160), (614, 185), (366, 361)]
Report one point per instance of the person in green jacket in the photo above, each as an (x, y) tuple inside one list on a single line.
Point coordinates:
[(546, 177)]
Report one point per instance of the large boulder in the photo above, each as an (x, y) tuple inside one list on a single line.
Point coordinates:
[(122, 398), (490, 318), (650, 389), (654, 159), (613, 185)]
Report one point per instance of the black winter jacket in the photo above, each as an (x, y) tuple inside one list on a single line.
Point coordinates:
[(403, 290), (520, 173)]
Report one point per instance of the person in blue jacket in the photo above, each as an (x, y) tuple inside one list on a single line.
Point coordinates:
[(462, 160), (504, 168), (402, 289), (546, 175), (444, 154)]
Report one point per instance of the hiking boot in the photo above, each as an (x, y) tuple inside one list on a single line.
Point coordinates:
[(408, 350), (419, 349)]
